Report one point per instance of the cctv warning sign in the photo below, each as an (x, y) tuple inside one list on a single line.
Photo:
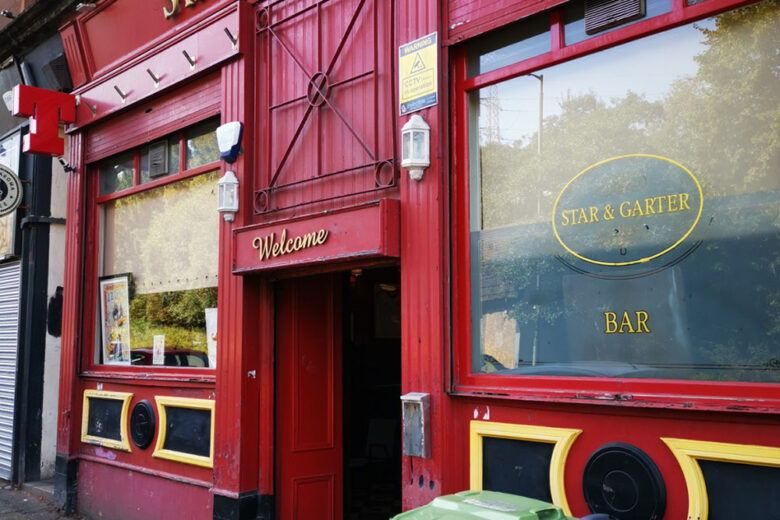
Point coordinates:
[(418, 74)]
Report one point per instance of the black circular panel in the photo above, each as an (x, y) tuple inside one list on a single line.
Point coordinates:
[(142, 424), (622, 481)]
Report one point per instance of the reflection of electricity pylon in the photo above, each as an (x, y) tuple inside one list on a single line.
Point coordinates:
[(492, 107)]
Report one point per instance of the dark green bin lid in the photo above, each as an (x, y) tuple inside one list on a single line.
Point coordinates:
[(484, 505)]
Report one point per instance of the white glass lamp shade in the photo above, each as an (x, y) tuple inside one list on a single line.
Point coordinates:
[(227, 195), (416, 146)]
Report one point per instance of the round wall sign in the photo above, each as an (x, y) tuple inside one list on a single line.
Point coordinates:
[(10, 191)]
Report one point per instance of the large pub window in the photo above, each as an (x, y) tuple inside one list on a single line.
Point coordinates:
[(157, 253), (622, 202)]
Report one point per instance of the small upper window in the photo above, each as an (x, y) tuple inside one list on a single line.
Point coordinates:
[(509, 45), (160, 158), (201, 145), (574, 19), (117, 173)]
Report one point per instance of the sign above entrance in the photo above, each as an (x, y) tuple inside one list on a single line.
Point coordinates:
[(363, 232), (418, 73)]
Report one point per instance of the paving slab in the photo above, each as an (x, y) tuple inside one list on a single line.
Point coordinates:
[(25, 504)]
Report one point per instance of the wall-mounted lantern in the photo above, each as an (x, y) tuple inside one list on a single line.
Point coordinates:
[(227, 196), (416, 146)]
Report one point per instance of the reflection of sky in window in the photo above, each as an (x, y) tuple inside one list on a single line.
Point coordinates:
[(518, 51), (647, 67)]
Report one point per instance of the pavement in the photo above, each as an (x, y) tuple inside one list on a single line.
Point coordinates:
[(32, 502)]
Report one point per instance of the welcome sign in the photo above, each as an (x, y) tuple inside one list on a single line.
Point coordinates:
[(367, 231)]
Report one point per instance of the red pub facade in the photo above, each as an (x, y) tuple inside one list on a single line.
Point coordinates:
[(574, 297)]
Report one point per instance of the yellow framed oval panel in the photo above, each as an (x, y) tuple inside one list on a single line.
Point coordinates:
[(689, 452), (562, 438), (123, 398), (163, 404)]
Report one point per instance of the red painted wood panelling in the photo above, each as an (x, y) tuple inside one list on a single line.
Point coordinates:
[(74, 55), (424, 224), (141, 461), (156, 118), (206, 45), (69, 386), (119, 29), (117, 492), (466, 18), (325, 98), (239, 335)]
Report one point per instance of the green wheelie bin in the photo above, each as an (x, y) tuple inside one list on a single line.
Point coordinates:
[(484, 505)]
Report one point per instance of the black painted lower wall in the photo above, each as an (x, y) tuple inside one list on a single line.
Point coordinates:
[(245, 507)]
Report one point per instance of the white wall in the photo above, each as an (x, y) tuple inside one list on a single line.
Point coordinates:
[(51, 371)]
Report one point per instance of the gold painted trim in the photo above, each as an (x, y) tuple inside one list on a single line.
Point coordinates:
[(122, 444), (179, 456), (563, 438), (641, 260), (689, 452)]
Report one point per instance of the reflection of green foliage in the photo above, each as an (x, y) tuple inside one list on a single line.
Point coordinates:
[(182, 308), (176, 338), (178, 314), (202, 145)]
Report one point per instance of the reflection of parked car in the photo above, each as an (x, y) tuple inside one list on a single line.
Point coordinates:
[(173, 358)]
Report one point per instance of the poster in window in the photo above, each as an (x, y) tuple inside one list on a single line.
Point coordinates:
[(211, 335), (158, 351), (115, 318)]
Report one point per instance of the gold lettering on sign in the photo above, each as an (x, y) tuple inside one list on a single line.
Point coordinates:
[(175, 7), (626, 326), (268, 246), (671, 203)]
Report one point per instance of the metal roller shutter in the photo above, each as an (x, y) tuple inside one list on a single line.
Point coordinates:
[(10, 275)]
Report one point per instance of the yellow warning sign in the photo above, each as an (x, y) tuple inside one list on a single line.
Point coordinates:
[(418, 65), (418, 74)]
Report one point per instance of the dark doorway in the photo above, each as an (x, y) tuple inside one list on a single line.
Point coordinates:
[(372, 389)]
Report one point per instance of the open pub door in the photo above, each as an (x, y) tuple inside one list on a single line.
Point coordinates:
[(309, 438)]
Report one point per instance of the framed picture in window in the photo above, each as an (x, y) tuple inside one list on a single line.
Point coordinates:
[(115, 318)]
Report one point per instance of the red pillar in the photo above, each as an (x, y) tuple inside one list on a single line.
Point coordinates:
[(69, 406), (424, 264), (236, 438)]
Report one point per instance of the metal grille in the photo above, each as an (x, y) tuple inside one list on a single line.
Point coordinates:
[(323, 58), (10, 275), (604, 14)]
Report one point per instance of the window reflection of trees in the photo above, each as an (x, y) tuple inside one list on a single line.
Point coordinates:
[(723, 123)]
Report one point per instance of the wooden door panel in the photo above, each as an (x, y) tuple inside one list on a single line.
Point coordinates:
[(312, 376), (310, 495), (309, 454)]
